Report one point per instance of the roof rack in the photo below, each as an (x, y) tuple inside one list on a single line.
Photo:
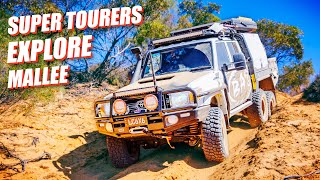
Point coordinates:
[(229, 26)]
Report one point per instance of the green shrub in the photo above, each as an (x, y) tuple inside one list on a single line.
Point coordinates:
[(118, 77), (312, 93), (36, 94), (295, 76)]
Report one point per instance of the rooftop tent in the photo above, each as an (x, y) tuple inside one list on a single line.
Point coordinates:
[(240, 24)]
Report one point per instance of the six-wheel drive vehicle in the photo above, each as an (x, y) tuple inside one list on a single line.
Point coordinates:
[(186, 87)]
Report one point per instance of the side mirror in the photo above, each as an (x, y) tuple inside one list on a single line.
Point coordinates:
[(239, 60)]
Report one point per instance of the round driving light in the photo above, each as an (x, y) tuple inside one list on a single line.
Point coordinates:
[(173, 119), (109, 127), (119, 106), (150, 102)]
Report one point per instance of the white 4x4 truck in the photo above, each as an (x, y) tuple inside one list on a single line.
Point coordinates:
[(186, 87)]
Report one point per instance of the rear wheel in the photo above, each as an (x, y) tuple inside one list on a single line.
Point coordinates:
[(122, 152), (272, 103), (258, 111), (214, 136)]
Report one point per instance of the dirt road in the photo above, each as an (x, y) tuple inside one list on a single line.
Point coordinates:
[(287, 144)]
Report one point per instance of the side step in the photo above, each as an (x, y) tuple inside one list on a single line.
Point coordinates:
[(240, 108)]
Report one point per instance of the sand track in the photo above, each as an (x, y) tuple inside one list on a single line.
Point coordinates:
[(287, 144)]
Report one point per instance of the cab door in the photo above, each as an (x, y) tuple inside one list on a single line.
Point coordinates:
[(237, 79)]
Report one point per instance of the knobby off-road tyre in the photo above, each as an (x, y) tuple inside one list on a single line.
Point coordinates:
[(271, 99), (258, 111), (214, 136), (122, 152)]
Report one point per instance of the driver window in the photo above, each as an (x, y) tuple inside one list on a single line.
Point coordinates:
[(222, 54)]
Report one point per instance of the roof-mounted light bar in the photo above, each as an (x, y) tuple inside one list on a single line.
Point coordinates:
[(177, 38), (191, 29)]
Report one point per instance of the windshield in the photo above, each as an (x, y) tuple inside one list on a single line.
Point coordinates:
[(183, 58)]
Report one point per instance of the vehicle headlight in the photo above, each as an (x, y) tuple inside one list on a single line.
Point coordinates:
[(180, 99), (103, 110), (119, 106)]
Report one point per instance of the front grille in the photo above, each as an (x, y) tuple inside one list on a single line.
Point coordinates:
[(165, 101), (136, 107)]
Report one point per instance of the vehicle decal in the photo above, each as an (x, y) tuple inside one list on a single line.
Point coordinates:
[(239, 83)]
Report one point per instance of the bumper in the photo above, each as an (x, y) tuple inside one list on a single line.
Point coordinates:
[(156, 126)]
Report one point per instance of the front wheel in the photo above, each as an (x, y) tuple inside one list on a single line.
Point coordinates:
[(214, 136), (122, 152)]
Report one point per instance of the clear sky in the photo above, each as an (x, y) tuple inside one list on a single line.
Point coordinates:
[(305, 14)]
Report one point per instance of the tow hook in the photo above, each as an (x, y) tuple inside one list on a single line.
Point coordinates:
[(168, 138), (168, 141)]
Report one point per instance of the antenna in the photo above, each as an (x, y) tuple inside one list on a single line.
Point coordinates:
[(153, 75)]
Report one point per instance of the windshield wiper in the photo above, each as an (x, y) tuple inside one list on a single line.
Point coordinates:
[(200, 68)]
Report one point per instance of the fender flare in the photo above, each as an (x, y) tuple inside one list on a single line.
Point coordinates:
[(220, 99)]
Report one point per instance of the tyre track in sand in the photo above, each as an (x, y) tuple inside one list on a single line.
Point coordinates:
[(184, 162)]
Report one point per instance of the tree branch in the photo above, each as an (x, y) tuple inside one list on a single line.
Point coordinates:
[(22, 162)]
